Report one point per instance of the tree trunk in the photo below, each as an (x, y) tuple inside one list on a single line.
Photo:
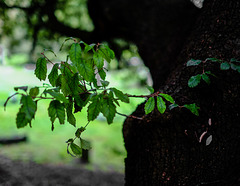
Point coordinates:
[(166, 149)]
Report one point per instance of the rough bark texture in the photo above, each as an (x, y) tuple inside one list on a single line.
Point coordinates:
[(165, 149)]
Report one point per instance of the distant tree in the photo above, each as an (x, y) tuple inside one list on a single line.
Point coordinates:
[(175, 148)]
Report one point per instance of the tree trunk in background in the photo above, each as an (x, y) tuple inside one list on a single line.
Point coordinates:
[(159, 28), (165, 149)]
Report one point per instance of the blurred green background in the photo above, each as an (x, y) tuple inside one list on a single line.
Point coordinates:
[(45, 146), (17, 59)]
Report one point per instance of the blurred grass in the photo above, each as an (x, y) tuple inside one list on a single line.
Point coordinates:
[(45, 146)]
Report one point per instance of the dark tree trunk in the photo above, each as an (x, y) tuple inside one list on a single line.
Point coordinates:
[(159, 28), (165, 149)]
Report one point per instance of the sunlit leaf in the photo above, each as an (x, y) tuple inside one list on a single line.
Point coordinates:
[(149, 105), (161, 105)]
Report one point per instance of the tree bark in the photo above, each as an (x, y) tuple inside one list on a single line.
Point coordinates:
[(166, 149)]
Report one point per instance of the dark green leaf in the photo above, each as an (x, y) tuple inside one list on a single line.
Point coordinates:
[(108, 109), (94, 108), (21, 120), (167, 97), (193, 62), (85, 144), (104, 83), (56, 110), (225, 66), (235, 67), (104, 53), (41, 69), (52, 77), (70, 117), (149, 105), (57, 95), (206, 78), (110, 52), (24, 88), (102, 74), (86, 70), (75, 53), (98, 60), (76, 149), (161, 105), (29, 107), (193, 108), (194, 81), (213, 59), (120, 95), (34, 91)]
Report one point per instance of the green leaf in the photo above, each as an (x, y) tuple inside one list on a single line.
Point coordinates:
[(151, 89), (167, 97), (85, 144), (213, 59), (75, 53), (57, 95), (193, 108), (24, 88), (206, 78), (104, 83), (172, 106), (88, 47), (161, 105), (120, 95), (235, 67), (149, 105), (94, 108), (98, 60), (41, 68), (104, 53), (29, 107), (108, 109), (70, 117), (225, 66), (56, 110), (21, 120), (65, 86), (193, 62), (85, 69), (194, 81), (52, 77), (102, 74), (76, 149), (234, 60), (34, 91), (110, 52)]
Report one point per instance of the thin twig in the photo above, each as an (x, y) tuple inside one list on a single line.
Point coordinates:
[(130, 116)]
